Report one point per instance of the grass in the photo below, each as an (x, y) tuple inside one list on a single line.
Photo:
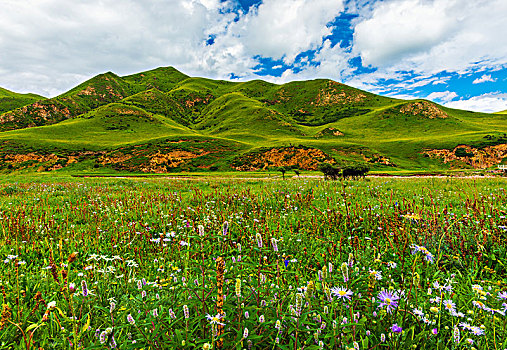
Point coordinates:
[(132, 263), (106, 127), (10, 100), (255, 114)]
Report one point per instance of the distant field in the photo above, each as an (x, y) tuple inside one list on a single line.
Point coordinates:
[(154, 263)]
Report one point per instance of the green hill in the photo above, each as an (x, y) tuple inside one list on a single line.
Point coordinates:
[(10, 100), (163, 120), (502, 112)]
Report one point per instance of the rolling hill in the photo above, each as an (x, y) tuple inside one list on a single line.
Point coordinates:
[(163, 121), (10, 100)]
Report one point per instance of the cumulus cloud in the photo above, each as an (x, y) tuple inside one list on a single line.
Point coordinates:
[(282, 29), (49, 46), (489, 103), (444, 96), (485, 78), (433, 36), (64, 42), (399, 29)]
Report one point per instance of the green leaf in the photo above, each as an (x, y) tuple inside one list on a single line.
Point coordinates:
[(87, 324), (30, 327)]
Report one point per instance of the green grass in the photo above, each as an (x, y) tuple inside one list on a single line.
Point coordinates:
[(10, 100), (255, 114), (131, 263), (107, 127)]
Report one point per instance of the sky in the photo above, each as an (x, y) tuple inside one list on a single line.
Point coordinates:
[(453, 52)]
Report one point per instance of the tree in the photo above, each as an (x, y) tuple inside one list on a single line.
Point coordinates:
[(355, 171), (329, 171), (283, 170)]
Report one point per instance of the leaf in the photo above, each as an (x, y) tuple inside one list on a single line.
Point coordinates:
[(63, 314), (87, 324), (30, 327)]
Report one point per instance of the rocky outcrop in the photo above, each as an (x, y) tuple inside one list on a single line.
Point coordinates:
[(298, 157), (478, 158)]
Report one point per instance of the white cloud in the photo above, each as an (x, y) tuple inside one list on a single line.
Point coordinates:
[(428, 37), (60, 42), (444, 96), (399, 29), (403, 96), (49, 46), (281, 29), (488, 103), (485, 78), (329, 62), (57, 44)]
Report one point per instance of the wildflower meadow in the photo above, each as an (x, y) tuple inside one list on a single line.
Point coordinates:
[(253, 264)]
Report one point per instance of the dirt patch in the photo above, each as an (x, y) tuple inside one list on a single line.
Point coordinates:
[(298, 157), (90, 90), (159, 162), (423, 108), (366, 155), (334, 94), (328, 132), (477, 158), (114, 159), (43, 161), (198, 100)]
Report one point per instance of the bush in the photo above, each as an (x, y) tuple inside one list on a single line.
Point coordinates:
[(355, 171), (462, 152), (329, 171)]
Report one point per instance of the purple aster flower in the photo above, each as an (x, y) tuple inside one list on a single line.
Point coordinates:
[(477, 331), (341, 292), (449, 305), (396, 329), (388, 299), (215, 319)]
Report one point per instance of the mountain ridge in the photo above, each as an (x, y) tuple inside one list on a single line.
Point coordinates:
[(110, 112)]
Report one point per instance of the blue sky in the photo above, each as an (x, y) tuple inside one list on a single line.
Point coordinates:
[(453, 52)]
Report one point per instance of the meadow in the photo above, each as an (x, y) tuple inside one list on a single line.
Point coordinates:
[(379, 263)]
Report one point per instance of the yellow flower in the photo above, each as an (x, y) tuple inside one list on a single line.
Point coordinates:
[(434, 309)]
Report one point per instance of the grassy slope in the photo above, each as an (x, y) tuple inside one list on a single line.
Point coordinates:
[(107, 127), (93, 93), (166, 103), (11, 100)]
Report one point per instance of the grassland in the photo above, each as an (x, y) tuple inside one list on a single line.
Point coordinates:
[(138, 263), (10, 100), (110, 112)]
